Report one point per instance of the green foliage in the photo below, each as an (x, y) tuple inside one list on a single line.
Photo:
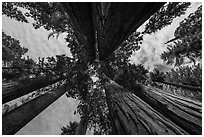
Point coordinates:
[(14, 65), (188, 75), (92, 99), (157, 75), (18, 67), (130, 74), (57, 66), (46, 14), (10, 9), (188, 44), (11, 49), (119, 59), (70, 129), (121, 56), (190, 25), (165, 16)]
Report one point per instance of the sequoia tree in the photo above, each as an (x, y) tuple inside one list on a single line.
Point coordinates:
[(107, 106), (187, 43)]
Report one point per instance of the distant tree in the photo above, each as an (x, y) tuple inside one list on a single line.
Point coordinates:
[(11, 50), (11, 9), (157, 75), (187, 42), (92, 106), (165, 16), (188, 75), (70, 129), (131, 74), (14, 65), (186, 79)]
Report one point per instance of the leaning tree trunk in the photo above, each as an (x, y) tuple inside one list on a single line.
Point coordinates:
[(83, 124), (185, 113), (15, 89), (17, 118), (180, 85), (82, 127), (131, 115)]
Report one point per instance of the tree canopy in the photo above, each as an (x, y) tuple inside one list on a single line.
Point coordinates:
[(165, 16), (85, 83), (188, 40)]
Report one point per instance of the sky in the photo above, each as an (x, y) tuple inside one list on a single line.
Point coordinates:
[(153, 45), (61, 111)]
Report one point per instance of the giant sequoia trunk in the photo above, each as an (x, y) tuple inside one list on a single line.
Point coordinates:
[(185, 113), (15, 119), (131, 115), (13, 90)]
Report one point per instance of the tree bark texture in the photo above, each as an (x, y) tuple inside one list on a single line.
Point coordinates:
[(185, 113), (181, 86), (13, 90), (130, 115), (82, 127), (15, 119)]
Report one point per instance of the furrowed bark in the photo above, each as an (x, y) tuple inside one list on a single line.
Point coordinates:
[(185, 113), (131, 115), (16, 119), (13, 90), (181, 86)]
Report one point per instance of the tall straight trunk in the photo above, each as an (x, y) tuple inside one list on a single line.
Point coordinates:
[(15, 89), (180, 85), (185, 113), (131, 115), (15, 119), (82, 127)]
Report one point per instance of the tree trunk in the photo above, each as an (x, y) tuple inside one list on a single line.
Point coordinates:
[(131, 115), (185, 113), (15, 119), (82, 127), (181, 86), (13, 90)]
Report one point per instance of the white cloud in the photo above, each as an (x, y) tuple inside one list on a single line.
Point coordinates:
[(60, 112), (153, 45), (36, 40)]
